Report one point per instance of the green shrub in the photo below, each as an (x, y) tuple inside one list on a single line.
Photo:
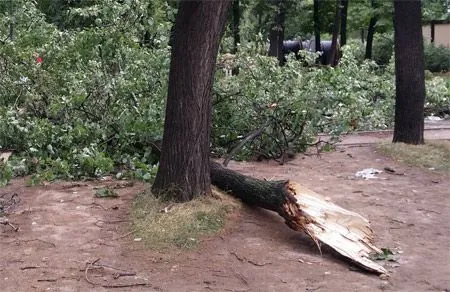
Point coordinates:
[(437, 101), (437, 59), (383, 48), (6, 173)]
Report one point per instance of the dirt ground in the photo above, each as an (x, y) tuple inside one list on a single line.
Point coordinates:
[(63, 227)]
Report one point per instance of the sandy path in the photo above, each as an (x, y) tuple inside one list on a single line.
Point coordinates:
[(63, 226)]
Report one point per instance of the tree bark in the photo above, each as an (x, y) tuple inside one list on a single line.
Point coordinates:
[(334, 56), (184, 165), (316, 19), (276, 35), (344, 4), (409, 72), (270, 195), (346, 232), (371, 31), (236, 32), (236, 23)]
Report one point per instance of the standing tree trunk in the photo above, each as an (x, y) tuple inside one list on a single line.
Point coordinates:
[(334, 56), (276, 35), (184, 165), (344, 7), (11, 21), (371, 31), (236, 22), (409, 72), (316, 25), (236, 32)]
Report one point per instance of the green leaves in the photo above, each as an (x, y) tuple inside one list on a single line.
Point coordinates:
[(298, 102), (95, 104), (97, 96), (6, 173), (106, 193), (385, 255)]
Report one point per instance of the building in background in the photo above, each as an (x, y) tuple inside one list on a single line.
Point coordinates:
[(437, 32)]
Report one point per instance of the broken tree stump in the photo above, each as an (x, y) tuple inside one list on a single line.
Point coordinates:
[(346, 232)]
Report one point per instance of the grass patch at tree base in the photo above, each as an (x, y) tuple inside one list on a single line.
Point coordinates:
[(165, 224), (434, 155)]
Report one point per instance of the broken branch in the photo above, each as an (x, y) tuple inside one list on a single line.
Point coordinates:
[(92, 265), (346, 232), (5, 221), (241, 144)]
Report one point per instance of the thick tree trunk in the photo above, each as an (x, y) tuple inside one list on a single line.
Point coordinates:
[(276, 35), (184, 164), (334, 55), (344, 4), (269, 195), (316, 19), (303, 210), (409, 73), (371, 31)]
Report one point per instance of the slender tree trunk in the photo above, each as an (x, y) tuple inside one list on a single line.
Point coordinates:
[(236, 32), (276, 35), (12, 21), (371, 31), (334, 56), (409, 72), (236, 23), (316, 20), (184, 165), (344, 6)]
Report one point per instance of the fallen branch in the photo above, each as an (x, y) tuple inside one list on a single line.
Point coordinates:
[(90, 266), (97, 223), (346, 232), (5, 221), (241, 144), (93, 265), (125, 235), (29, 268), (258, 264), (40, 240), (243, 259), (124, 285), (123, 274)]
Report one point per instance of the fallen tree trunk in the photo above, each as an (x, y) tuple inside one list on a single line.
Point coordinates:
[(303, 210)]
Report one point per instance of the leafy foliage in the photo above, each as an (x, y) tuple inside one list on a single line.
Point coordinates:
[(383, 48), (437, 59), (84, 83), (106, 193), (293, 103), (434, 10), (91, 105)]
